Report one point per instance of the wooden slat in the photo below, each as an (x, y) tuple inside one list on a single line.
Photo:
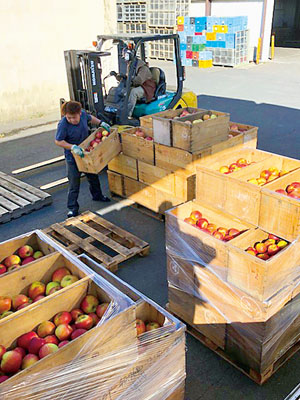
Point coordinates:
[(10, 206), (117, 230), (38, 165), (20, 192), (25, 186), (83, 244), (11, 196), (102, 238)]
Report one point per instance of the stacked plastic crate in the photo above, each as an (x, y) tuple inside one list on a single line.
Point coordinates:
[(222, 40), (161, 19), (132, 16), (193, 42)]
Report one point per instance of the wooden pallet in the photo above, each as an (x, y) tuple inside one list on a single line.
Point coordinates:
[(139, 207), (103, 241), (18, 198), (258, 378)]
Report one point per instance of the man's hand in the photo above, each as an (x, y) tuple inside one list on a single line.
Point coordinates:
[(77, 150), (105, 126)]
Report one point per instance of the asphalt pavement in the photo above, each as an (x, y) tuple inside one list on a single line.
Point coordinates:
[(208, 376)]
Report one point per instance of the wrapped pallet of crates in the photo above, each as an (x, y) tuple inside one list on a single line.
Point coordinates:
[(98, 349), (235, 285)]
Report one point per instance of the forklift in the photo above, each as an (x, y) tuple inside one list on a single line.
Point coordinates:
[(86, 85)]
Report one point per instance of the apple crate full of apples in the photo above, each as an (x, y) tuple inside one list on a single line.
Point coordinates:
[(99, 148), (235, 284), (63, 319)]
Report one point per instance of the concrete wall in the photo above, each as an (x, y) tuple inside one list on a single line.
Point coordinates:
[(34, 35)]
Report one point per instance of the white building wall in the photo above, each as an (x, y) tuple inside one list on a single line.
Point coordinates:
[(34, 35), (197, 9)]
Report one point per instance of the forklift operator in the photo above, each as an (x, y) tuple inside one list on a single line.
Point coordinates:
[(143, 85)]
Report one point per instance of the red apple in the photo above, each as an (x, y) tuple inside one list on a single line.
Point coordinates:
[(3, 378), (98, 134), (25, 251), (75, 313), (84, 322), (269, 241), (293, 186), (190, 221), (68, 280), (63, 317), (35, 344), (59, 274), (3, 269), (45, 328), (51, 339), (36, 289), (5, 304), (295, 194), (218, 235), (77, 332), (63, 331), (12, 260), (152, 325), (265, 174), (63, 343), (11, 362), (50, 286), (54, 289), (101, 309), (29, 360), (21, 351), (27, 260), (2, 350), (38, 254), (47, 349), (261, 247), (140, 326), (202, 223), (195, 215), (224, 169), (95, 318), (211, 227), (24, 340), (273, 249), (37, 298), (89, 304), (222, 230), (233, 232), (149, 138), (263, 256), (18, 300), (281, 191), (24, 305), (271, 236)]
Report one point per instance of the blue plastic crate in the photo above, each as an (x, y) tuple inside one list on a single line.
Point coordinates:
[(220, 36), (188, 62), (189, 39), (200, 28), (182, 54), (221, 44), (190, 30), (183, 39), (182, 46), (211, 43)]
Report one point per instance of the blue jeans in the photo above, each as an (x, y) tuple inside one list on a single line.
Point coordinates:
[(74, 186)]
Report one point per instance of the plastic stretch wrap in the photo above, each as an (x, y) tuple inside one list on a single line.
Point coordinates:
[(109, 361), (253, 332)]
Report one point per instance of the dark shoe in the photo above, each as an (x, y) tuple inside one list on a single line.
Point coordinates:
[(102, 198), (72, 214)]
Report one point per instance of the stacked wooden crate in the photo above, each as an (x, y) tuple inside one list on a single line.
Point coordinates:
[(113, 360), (158, 170), (245, 308)]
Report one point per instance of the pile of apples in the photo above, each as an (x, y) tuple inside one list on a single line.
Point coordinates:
[(50, 336), (24, 255), (240, 163), (292, 190), (140, 133), (37, 290), (184, 113), (220, 233), (142, 327), (267, 247), (267, 175), (100, 136), (235, 128), (205, 117)]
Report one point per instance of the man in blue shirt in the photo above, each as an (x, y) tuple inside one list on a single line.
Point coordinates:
[(71, 131)]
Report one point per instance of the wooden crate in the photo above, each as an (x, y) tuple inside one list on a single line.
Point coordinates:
[(180, 184), (116, 183), (187, 238), (202, 134), (172, 159), (137, 147), (100, 239), (248, 132), (124, 165), (163, 124), (18, 198), (11, 246), (115, 334), (233, 192), (260, 278), (93, 162), (41, 270), (279, 213)]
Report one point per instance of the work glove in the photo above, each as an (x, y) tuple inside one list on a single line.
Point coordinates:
[(105, 126), (77, 150)]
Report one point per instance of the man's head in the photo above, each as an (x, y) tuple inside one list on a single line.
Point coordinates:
[(72, 111)]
